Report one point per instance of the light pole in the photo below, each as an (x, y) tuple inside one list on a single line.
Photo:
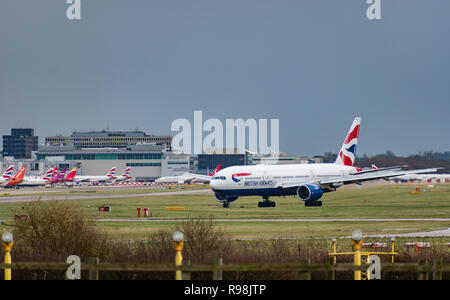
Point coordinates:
[(7, 241), (357, 243), (178, 243), (393, 248), (333, 242)]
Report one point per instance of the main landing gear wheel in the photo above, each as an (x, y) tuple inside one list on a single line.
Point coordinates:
[(313, 203), (226, 204), (267, 203)]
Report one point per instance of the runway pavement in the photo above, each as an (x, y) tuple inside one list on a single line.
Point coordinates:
[(436, 233), (18, 199), (281, 220)]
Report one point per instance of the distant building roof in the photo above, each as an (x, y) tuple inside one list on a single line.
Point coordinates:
[(105, 133)]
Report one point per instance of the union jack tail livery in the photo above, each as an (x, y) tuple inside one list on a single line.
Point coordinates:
[(48, 175), (346, 156), (112, 173), (217, 169), (126, 173), (8, 173)]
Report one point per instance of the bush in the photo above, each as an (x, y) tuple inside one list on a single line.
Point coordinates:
[(55, 230), (204, 241)]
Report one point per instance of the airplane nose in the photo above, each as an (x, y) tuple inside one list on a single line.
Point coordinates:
[(213, 184)]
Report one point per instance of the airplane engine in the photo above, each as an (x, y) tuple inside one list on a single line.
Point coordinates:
[(309, 192), (223, 198)]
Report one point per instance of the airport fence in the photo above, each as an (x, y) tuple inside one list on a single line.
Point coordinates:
[(95, 270)]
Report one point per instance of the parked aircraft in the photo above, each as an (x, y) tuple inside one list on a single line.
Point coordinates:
[(422, 178), (96, 179), (125, 176), (188, 177), (16, 180), (58, 177), (307, 181), (38, 181)]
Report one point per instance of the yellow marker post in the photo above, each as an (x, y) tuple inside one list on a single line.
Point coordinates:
[(178, 244), (393, 248), (333, 243), (357, 243), (7, 241), (358, 255)]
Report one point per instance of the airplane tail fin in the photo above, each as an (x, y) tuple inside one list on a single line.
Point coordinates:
[(20, 175), (55, 171), (217, 169), (48, 175), (71, 175), (126, 173), (63, 172), (9, 172), (347, 153), (112, 173)]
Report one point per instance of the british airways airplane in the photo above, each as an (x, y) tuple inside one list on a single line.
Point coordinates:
[(306, 181)]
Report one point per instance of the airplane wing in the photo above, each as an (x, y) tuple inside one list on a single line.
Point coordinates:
[(198, 176), (81, 179), (397, 168), (358, 178)]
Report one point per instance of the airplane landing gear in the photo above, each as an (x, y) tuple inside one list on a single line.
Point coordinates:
[(226, 204), (313, 203), (266, 203)]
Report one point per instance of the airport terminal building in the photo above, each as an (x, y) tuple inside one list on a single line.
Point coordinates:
[(148, 162), (149, 157), (108, 139)]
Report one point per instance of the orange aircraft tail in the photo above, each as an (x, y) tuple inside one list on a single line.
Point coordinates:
[(18, 179)]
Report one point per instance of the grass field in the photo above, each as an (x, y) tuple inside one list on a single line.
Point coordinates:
[(105, 190), (371, 201)]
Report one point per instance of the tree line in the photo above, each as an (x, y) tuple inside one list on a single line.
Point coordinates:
[(426, 159)]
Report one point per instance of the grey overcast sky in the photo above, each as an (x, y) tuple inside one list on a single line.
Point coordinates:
[(313, 64)]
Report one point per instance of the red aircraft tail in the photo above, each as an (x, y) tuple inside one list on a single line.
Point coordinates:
[(217, 169)]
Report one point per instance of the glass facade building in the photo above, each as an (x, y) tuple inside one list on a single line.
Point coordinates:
[(20, 144), (211, 161)]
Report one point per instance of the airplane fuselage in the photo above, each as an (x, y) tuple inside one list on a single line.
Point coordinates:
[(265, 180)]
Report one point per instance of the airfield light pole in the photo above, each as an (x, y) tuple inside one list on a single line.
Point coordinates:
[(7, 241), (333, 243), (393, 248), (357, 243), (178, 243)]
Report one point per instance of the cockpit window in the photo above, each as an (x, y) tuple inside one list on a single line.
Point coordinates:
[(219, 178)]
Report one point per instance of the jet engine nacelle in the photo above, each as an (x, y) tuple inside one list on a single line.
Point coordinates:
[(309, 192), (223, 198)]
